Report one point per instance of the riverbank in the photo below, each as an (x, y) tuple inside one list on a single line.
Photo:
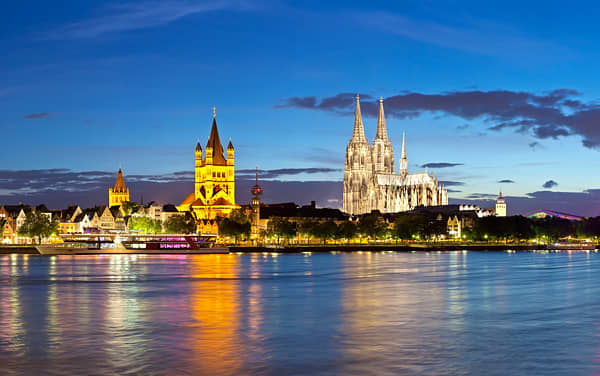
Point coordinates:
[(388, 247), (411, 247)]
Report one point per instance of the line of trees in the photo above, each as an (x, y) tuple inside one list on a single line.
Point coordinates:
[(175, 224), (415, 227)]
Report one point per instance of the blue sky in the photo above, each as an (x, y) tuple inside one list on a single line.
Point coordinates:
[(87, 86)]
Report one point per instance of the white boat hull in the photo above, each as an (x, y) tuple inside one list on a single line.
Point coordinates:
[(50, 249)]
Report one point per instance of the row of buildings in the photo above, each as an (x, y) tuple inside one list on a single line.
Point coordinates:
[(75, 219), (370, 184)]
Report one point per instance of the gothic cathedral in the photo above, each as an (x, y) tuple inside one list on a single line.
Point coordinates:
[(370, 181)]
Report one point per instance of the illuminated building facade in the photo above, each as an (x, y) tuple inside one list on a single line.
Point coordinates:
[(370, 182), (119, 193), (500, 206), (214, 188)]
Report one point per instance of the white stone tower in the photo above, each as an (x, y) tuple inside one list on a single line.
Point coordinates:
[(500, 206), (358, 169)]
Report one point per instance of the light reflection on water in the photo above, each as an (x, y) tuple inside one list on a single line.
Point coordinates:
[(359, 313)]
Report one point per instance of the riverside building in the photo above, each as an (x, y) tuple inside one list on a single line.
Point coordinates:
[(370, 180)]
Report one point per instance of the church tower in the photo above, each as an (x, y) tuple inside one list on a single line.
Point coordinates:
[(358, 169), (119, 193), (214, 185), (383, 153), (500, 206)]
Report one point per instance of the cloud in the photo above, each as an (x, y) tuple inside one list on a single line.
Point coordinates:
[(535, 145), (61, 187), (272, 174), (479, 196), (551, 114), (506, 181), (124, 17), (440, 165), (40, 115), (549, 184), (449, 183)]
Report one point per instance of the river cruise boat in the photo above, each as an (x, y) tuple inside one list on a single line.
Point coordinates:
[(90, 244), (572, 245)]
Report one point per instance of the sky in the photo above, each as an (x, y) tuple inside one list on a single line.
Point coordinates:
[(492, 96)]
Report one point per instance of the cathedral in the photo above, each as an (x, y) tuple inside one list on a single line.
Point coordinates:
[(214, 187), (370, 180)]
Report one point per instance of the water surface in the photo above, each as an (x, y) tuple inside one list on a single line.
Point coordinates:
[(455, 313)]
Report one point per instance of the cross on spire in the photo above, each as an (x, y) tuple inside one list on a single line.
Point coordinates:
[(214, 111)]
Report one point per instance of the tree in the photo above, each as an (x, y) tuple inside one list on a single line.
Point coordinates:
[(128, 207), (230, 227), (179, 224), (305, 227), (409, 226), (373, 226), (346, 230), (145, 224), (239, 216), (281, 228), (324, 230), (38, 225), (553, 228)]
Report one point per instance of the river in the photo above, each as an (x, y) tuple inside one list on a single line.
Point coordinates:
[(449, 313)]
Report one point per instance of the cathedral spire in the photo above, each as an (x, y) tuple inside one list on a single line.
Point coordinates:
[(381, 129), (403, 146), (359, 130)]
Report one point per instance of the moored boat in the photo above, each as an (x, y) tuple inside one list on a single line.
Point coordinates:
[(90, 244)]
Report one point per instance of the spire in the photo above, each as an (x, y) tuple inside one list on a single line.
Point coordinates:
[(198, 147), (120, 183), (403, 146), (381, 129), (230, 145), (359, 131), (214, 142)]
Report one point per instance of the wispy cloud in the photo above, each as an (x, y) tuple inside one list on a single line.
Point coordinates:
[(479, 36), (121, 17), (277, 173), (440, 165), (535, 145), (450, 183), (40, 115)]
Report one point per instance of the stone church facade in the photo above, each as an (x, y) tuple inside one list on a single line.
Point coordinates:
[(370, 180)]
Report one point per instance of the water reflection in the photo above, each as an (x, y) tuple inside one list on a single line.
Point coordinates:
[(360, 313)]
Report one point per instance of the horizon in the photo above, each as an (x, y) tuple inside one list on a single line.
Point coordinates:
[(89, 87)]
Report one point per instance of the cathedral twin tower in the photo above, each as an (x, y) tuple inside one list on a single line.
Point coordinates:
[(370, 181)]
